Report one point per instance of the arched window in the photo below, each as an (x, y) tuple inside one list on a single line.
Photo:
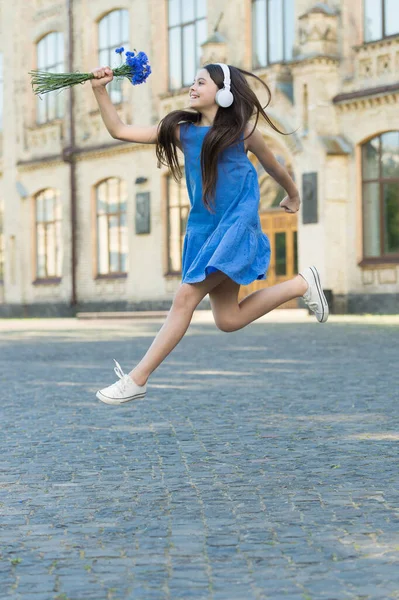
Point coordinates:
[(273, 30), (113, 32), (178, 207), (112, 248), (380, 185), (50, 57), (48, 234)]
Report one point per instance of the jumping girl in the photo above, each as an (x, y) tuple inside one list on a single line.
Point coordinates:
[(224, 246)]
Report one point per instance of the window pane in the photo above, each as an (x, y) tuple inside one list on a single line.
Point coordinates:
[(372, 20), (41, 251), (281, 253), (201, 27), (60, 49), (391, 214), (391, 17), (125, 34), (390, 154), (51, 54), (113, 195), (41, 54), (122, 195), (115, 28), (40, 208), (102, 244), (295, 251), (123, 251), (259, 40), (370, 162), (201, 8), (174, 12), (275, 31), (189, 65), (49, 208), (51, 244), (371, 219), (175, 58), (58, 232), (114, 244), (103, 33), (289, 28), (188, 7), (174, 239)]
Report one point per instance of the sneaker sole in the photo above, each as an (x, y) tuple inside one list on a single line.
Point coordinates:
[(123, 401), (322, 297)]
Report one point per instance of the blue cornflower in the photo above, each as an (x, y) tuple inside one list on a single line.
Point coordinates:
[(139, 66), (120, 50)]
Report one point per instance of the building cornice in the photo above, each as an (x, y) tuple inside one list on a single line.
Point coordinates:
[(367, 94), (80, 154)]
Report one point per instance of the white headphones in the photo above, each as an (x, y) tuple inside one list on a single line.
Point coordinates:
[(224, 97)]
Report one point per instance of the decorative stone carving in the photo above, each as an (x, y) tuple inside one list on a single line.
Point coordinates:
[(214, 49), (318, 31)]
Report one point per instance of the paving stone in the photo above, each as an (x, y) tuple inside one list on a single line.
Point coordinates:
[(281, 485)]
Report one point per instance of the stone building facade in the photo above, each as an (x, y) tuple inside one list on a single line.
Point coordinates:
[(90, 222)]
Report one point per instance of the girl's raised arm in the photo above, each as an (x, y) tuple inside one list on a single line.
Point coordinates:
[(118, 129)]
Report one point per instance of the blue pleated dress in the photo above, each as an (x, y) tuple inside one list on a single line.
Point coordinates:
[(230, 240)]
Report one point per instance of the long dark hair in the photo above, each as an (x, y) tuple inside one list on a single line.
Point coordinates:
[(228, 125)]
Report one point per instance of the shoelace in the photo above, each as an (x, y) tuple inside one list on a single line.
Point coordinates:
[(118, 370), (122, 376)]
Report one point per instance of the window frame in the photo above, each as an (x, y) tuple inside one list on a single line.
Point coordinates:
[(392, 257), (118, 213), (182, 188)]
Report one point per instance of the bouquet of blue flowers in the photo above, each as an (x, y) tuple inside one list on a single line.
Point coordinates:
[(136, 69)]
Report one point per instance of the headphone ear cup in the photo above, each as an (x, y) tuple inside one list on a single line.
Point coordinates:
[(224, 98)]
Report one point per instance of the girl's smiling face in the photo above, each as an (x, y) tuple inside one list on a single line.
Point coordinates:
[(203, 90)]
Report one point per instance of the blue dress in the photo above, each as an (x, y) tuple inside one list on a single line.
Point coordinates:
[(230, 240)]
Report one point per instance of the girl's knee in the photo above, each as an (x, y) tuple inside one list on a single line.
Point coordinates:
[(186, 297)]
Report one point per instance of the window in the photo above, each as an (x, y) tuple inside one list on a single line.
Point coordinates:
[(1, 92), (273, 30), (187, 31), (112, 250), (2, 248), (50, 57), (113, 32), (380, 176), (381, 19), (178, 207), (48, 234)]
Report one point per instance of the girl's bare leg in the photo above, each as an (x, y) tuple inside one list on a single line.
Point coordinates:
[(186, 299), (230, 315)]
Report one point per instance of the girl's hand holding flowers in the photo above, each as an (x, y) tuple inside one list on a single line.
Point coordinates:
[(102, 76)]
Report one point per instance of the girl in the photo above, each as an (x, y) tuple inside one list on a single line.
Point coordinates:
[(224, 246)]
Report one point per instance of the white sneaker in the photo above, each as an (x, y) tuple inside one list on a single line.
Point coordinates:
[(123, 390), (314, 295)]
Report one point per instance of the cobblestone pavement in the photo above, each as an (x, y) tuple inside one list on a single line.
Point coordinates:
[(263, 463)]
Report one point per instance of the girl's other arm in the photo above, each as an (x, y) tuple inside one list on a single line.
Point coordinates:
[(257, 146)]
